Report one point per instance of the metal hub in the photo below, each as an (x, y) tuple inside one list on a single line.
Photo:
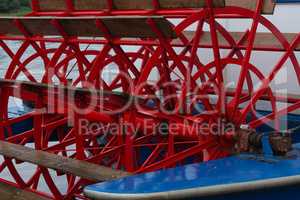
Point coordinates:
[(248, 140), (281, 143)]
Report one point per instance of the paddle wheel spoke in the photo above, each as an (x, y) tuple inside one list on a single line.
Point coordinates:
[(163, 95)]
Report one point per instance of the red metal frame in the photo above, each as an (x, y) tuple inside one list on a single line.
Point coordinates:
[(127, 151)]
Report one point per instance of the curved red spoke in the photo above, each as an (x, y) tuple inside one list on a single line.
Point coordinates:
[(273, 115), (270, 77), (171, 160), (248, 54)]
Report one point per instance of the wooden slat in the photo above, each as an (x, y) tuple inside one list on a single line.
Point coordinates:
[(78, 168), (165, 4), (52, 5), (262, 41), (268, 7), (123, 27), (39, 87), (8, 192), (57, 5), (90, 5), (279, 96), (109, 100)]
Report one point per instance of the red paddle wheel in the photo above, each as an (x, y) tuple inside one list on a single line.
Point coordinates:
[(138, 94)]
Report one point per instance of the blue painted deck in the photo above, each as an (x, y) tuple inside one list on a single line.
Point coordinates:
[(248, 176)]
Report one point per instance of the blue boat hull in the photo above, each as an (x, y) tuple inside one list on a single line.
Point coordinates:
[(274, 193), (240, 177)]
